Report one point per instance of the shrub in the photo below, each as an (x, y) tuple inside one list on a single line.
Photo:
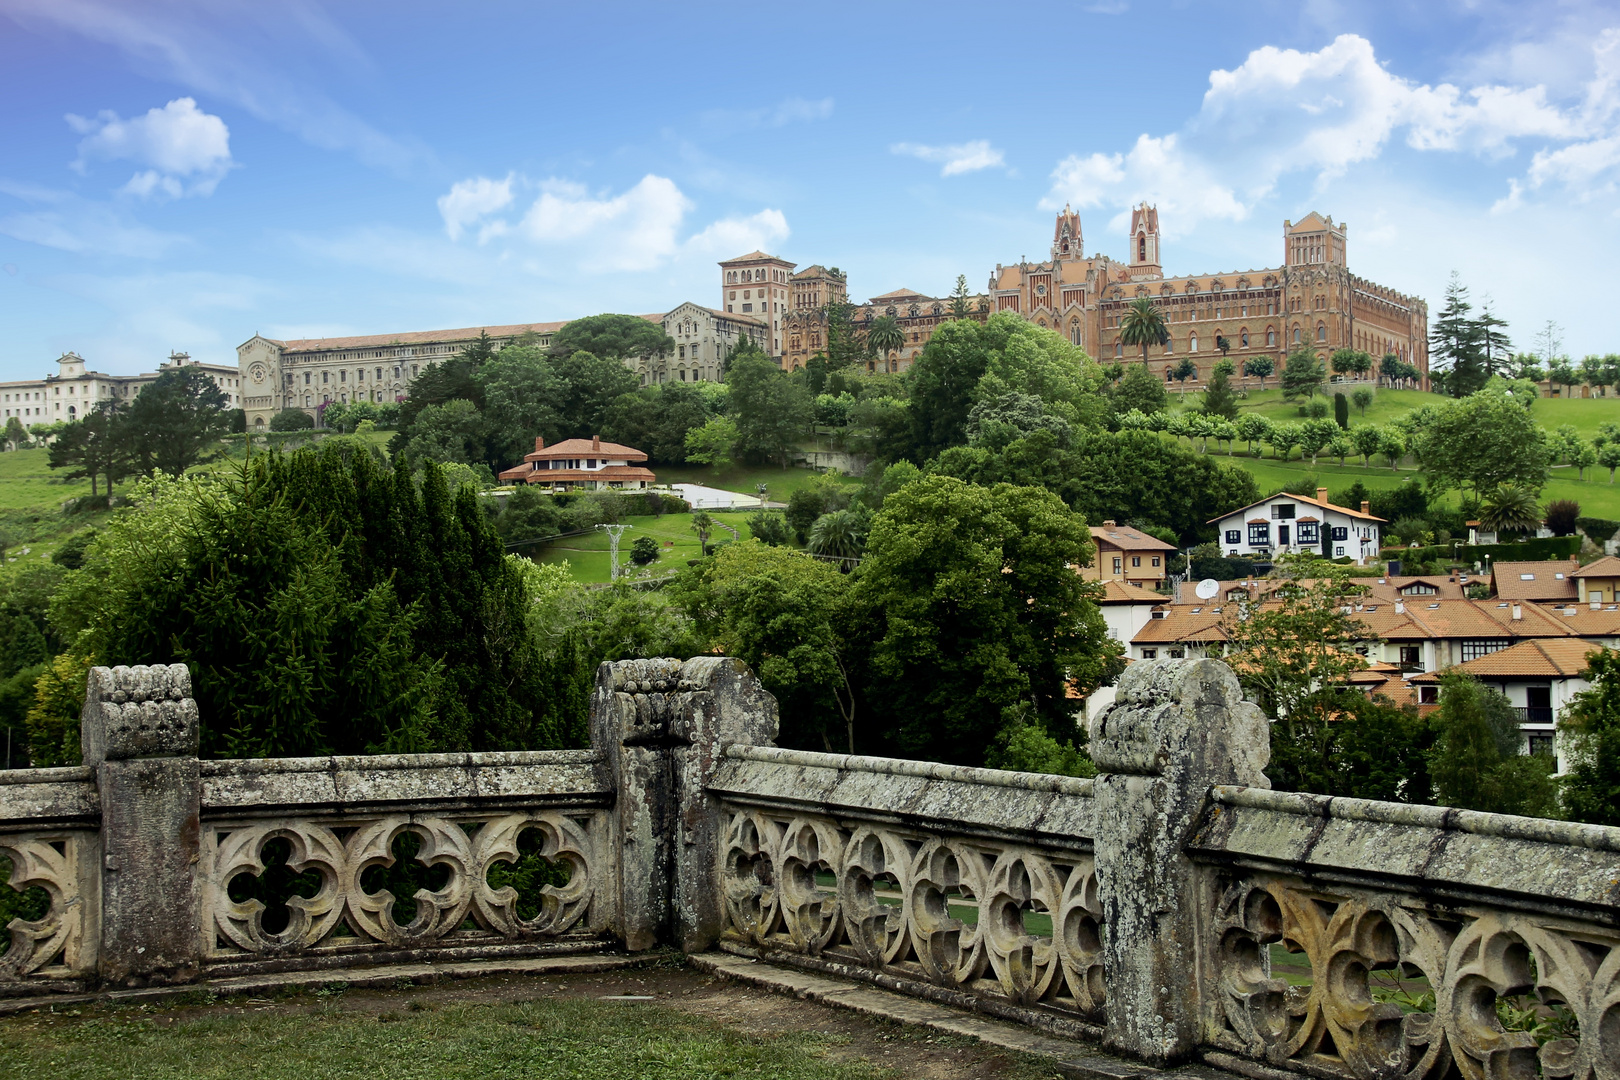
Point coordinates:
[(644, 550), (291, 420), (769, 528), (1561, 515)]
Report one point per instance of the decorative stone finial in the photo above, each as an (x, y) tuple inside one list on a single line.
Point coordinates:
[(138, 712)]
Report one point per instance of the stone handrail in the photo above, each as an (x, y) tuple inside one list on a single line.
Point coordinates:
[(1144, 909)]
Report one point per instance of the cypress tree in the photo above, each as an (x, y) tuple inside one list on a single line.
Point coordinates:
[(1218, 397), (1341, 410)]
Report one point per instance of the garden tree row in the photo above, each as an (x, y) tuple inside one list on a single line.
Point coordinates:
[(175, 422)]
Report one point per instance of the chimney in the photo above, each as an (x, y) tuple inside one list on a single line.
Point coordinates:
[(1518, 613), (1366, 507), (1321, 494), (1109, 524), (539, 443), (596, 442), (1400, 607), (1597, 605)]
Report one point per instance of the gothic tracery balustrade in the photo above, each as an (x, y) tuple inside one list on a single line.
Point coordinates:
[(343, 909)]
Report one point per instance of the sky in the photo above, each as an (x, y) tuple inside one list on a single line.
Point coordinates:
[(183, 174)]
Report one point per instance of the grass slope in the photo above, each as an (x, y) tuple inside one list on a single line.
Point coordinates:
[(28, 483), (587, 556)]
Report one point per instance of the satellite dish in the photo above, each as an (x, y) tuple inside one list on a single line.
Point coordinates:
[(1207, 589)]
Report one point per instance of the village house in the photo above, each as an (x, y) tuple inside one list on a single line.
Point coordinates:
[(1538, 677), (582, 465), (1129, 555), (1292, 524)]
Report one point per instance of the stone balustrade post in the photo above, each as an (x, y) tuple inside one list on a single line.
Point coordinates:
[(724, 703), (139, 732), (1176, 729), (662, 727)]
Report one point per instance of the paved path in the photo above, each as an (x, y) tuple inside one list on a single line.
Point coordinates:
[(708, 498)]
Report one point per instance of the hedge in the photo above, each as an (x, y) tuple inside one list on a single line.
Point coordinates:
[(1599, 529), (1536, 550)]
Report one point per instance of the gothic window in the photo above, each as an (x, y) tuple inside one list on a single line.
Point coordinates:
[(1271, 336), (1321, 331), (1119, 349), (1141, 249), (1296, 335), (1192, 342), (1244, 337)]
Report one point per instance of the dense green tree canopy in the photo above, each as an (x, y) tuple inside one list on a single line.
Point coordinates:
[(1482, 442), (971, 616), (175, 422), (612, 337), (771, 410), (1124, 476)]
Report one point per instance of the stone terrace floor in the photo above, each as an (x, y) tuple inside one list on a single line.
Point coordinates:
[(654, 1018)]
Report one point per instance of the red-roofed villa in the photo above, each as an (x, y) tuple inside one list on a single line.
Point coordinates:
[(582, 465)]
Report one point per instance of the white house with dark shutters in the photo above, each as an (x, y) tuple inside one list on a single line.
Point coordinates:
[(1293, 524)]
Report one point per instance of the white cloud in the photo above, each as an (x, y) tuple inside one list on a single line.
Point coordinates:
[(633, 231), (468, 201), (1284, 111), (730, 237), (954, 160), (187, 150)]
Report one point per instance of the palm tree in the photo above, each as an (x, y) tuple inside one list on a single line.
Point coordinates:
[(1511, 508), (1143, 325), (839, 535), (885, 336), (703, 525)]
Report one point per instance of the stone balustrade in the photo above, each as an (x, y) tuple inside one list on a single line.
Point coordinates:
[(1172, 909)]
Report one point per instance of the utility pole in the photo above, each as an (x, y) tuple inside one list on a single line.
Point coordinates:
[(614, 532)]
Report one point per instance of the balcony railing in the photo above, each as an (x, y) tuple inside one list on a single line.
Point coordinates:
[(1535, 714)]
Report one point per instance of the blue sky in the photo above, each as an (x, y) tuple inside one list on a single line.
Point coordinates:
[(181, 175)]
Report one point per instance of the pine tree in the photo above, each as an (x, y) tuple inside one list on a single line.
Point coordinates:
[(1457, 342)]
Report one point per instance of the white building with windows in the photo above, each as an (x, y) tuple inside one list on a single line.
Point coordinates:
[(75, 389), (1294, 524), (703, 339)]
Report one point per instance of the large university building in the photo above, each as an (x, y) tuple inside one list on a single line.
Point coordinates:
[(1311, 299), (75, 389), (312, 373)]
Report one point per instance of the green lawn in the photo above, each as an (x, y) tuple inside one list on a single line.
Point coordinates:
[(581, 1039), (1585, 413), (1598, 497), (587, 556), (780, 483), (28, 483)]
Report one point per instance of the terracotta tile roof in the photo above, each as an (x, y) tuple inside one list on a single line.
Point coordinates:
[(753, 256), (1121, 592), (1128, 539), (1538, 581), (1325, 505), (1540, 658), (1181, 627), (1582, 621), (900, 294), (1606, 567), (1485, 619), (414, 337), (557, 476), (570, 448)]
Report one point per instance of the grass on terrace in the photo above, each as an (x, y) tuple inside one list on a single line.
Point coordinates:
[(573, 1038)]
